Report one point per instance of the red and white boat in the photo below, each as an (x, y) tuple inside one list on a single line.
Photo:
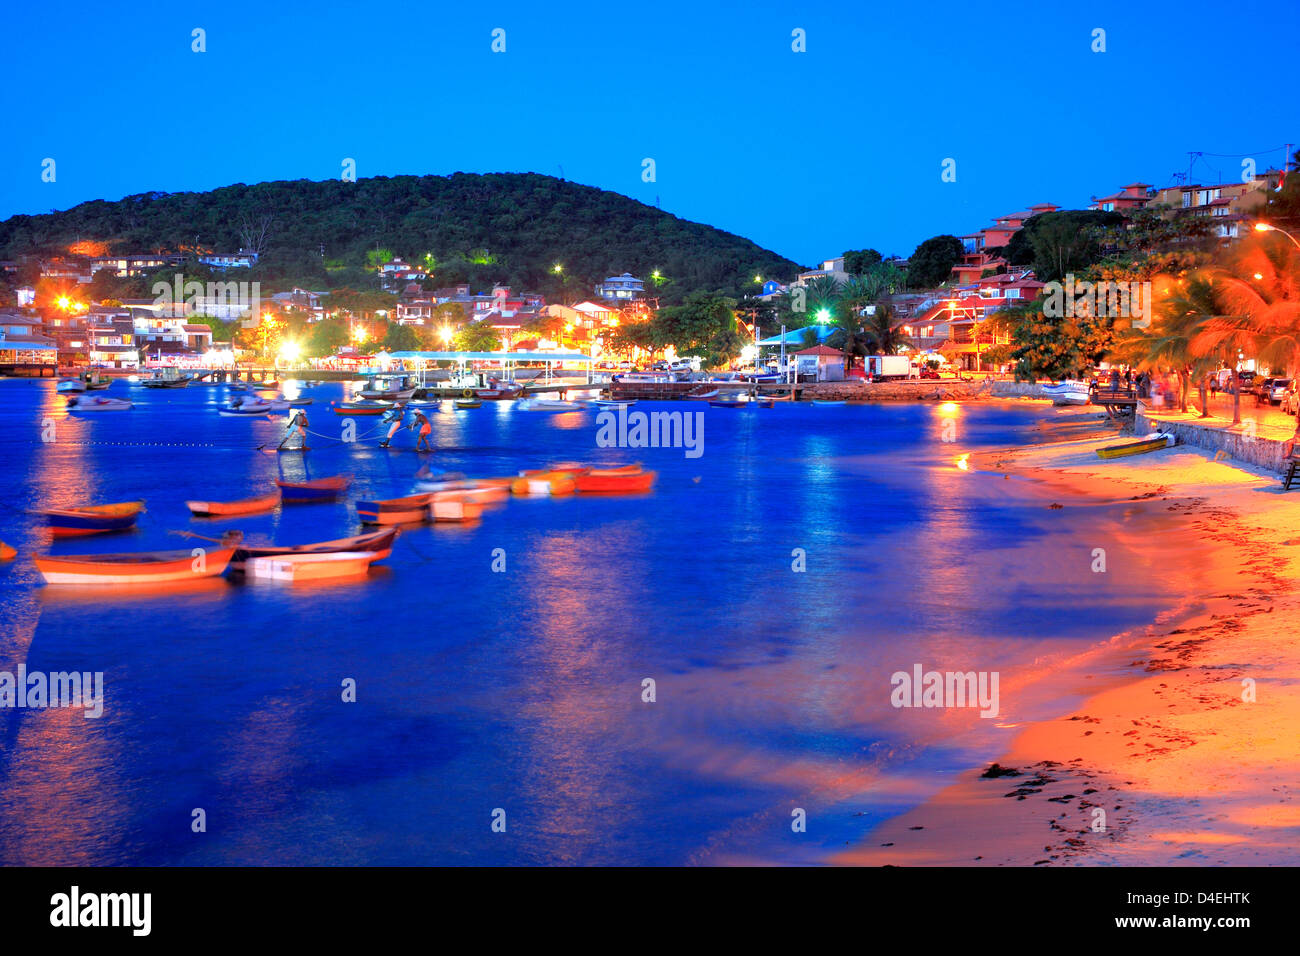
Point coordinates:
[(380, 542), (312, 567), (149, 567), (244, 506)]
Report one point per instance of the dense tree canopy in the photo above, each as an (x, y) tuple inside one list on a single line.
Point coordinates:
[(501, 227), (932, 262)]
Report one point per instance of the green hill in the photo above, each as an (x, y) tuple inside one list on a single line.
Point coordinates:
[(500, 227)]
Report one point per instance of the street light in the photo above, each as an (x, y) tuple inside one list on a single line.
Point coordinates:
[(1268, 227)]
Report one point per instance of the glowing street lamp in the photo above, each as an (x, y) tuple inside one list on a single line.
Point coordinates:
[(823, 315), (446, 335), (1269, 227), (558, 269), (64, 303)]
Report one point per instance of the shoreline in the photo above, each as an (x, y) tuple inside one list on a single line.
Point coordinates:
[(1183, 770)]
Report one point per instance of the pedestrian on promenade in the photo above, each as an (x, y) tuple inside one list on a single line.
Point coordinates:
[(1114, 378)]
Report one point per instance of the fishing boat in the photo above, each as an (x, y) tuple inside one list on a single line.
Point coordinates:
[(69, 386), (366, 407), (728, 403), (391, 388), (244, 506), (166, 378), (435, 404), (92, 519), (698, 396), (1151, 442), (291, 402), (628, 479), (311, 567), (469, 403), (614, 403), (7, 553), (501, 393), (394, 510), (243, 407), (98, 403), (827, 403), (149, 567), (379, 542), (1069, 392), (316, 489), (762, 402)]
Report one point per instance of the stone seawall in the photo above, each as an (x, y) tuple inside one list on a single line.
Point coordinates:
[(926, 390), (1241, 443)]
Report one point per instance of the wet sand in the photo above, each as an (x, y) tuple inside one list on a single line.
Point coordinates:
[(1186, 750)]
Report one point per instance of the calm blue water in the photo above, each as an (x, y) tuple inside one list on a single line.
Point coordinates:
[(521, 690)]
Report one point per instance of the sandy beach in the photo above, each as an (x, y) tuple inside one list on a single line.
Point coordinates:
[(1186, 750)]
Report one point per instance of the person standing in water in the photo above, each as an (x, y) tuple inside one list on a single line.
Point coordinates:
[(423, 443), (298, 422), (395, 416)]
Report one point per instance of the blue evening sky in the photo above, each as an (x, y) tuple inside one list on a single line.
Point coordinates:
[(805, 153)]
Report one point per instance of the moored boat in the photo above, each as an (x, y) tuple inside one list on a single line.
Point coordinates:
[(827, 403), (366, 407), (704, 396), (412, 508), (70, 386), (628, 479), (149, 567), (727, 403), (549, 405), (546, 482), (377, 541), (92, 519), (1152, 442), (244, 506), (614, 403), (311, 567), (99, 403), (1069, 392), (166, 378), (469, 403), (500, 393), (245, 407), (7, 553), (315, 489)]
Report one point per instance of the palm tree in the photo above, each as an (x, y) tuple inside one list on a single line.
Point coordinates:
[(881, 330), (1181, 309)]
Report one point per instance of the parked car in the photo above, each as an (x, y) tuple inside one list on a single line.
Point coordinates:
[(927, 372), (1277, 390), (1246, 380)]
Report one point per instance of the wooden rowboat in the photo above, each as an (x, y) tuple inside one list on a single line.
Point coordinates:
[(394, 510), (469, 403), (244, 506), (726, 403), (317, 489), (150, 567), (1152, 442), (6, 552), (362, 408), (615, 480), (553, 483), (312, 567), (93, 519), (380, 542)]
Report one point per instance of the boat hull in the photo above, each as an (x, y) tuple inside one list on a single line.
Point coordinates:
[(96, 519), (158, 568), (615, 482), (1140, 447), (312, 567), (412, 509), (319, 489), (245, 506), (377, 541)]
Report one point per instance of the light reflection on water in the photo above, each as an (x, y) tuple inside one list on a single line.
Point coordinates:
[(522, 689)]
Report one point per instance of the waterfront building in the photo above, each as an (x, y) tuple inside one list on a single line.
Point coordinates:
[(621, 288)]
